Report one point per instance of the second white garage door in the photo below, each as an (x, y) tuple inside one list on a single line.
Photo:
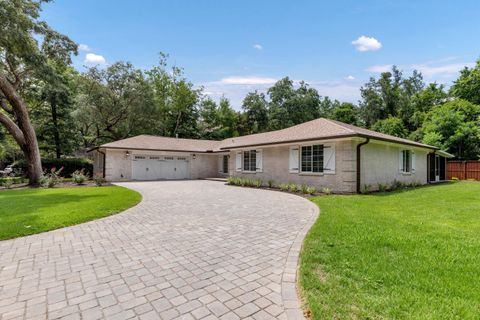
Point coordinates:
[(145, 167)]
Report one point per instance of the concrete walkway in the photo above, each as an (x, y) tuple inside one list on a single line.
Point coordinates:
[(189, 250)]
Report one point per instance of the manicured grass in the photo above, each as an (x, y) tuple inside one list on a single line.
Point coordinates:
[(29, 211), (411, 254)]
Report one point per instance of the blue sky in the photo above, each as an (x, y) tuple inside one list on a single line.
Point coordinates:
[(233, 47)]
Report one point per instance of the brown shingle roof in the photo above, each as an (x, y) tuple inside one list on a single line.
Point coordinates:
[(147, 142), (312, 130), (318, 129)]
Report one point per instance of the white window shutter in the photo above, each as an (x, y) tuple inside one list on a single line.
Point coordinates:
[(413, 161), (238, 161), (293, 162), (259, 159), (400, 161), (329, 158), (220, 164)]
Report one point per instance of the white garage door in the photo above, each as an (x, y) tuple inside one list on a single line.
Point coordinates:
[(145, 167)]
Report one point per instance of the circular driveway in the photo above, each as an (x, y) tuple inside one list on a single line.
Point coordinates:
[(189, 250)]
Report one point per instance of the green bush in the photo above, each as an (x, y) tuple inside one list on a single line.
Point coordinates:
[(270, 183), (79, 177), (304, 188), (52, 178), (366, 188), (99, 179), (284, 186), (13, 180), (327, 191), (382, 187), (258, 183), (292, 187), (69, 165), (311, 190), (7, 184)]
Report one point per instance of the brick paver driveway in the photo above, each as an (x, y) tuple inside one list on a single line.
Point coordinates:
[(189, 250)]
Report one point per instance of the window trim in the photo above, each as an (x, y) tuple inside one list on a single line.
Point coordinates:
[(300, 162), (254, 151), (409, 158)]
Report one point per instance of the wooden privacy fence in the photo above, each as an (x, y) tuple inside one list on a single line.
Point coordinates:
[(463, 169)]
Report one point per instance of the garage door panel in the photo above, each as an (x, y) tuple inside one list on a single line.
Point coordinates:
[(159, 167)]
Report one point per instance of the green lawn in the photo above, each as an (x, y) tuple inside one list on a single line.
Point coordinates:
[(29, 211), (412, 254)]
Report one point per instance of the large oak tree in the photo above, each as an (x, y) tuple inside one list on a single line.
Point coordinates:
[(28, 46)]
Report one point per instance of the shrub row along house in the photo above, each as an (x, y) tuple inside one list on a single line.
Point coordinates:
[(321, 153)]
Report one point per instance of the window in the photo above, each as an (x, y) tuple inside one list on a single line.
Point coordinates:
[(312, 158), (250, 160), (225, 164), (406, 161)]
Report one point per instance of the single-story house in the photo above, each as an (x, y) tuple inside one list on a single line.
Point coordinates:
[(321, 152)]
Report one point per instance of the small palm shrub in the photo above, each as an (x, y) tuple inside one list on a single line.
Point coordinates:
[(396, 185), (258, 183), (79, 177), (292, 187), (98, 179), (365, 188), (7, 183), (311, 190), (52, 178), (327, 191), (284, 186), (304, 188), (382, 187)]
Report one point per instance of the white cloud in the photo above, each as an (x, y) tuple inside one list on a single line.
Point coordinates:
[(84, 47), (248, 80), (349, 77), (258, 46), (364, 43), (94, 59), (379, 68), (439, 70)]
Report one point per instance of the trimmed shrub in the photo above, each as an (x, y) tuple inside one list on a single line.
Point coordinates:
[(70, 165)]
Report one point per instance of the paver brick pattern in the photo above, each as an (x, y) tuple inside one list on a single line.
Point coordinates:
[(189, 250)]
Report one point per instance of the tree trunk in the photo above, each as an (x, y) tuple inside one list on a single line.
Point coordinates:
[(22, 131)]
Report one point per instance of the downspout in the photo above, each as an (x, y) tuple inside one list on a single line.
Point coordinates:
[(358, 163), (104, 162)]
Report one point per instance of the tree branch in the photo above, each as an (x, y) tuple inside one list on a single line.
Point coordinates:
[(12, 127), (4, 105)]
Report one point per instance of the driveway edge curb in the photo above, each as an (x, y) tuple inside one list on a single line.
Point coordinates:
[(290, 297)]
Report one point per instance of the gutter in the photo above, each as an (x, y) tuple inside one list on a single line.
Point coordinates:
[(104, 161), (359, 146)]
